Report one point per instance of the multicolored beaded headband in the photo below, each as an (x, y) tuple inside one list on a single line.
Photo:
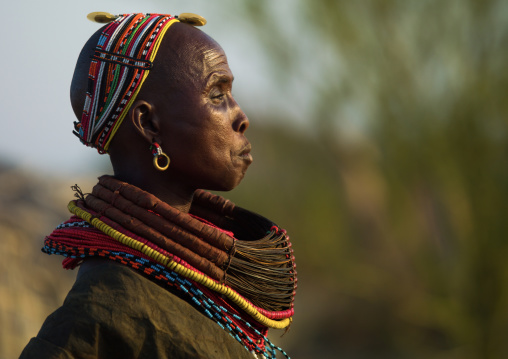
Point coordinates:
[(119, 66)]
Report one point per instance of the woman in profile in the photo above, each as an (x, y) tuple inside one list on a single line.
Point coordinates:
[(166, 269)]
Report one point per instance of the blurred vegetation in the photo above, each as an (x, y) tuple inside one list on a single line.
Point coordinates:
[(397, 199)]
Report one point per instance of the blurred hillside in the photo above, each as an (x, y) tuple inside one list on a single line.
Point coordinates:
[(32, 284)]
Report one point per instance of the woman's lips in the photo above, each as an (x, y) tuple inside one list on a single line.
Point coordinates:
[(245, 153)]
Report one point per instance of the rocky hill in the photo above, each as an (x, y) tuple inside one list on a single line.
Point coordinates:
[(32, 284)]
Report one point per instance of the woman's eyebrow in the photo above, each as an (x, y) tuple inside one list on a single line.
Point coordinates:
[(220, 78)]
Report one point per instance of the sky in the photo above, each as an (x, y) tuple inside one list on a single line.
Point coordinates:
[(41, 42)]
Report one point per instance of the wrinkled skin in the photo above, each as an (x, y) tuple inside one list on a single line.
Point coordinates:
[(187, 107)]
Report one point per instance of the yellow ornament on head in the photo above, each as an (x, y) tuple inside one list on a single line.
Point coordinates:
[(101, 17), (191, 19)]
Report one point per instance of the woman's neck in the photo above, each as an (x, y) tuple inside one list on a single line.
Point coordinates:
[(175, 195)]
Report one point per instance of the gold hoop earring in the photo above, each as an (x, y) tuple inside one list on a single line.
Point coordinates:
[(157, 155)]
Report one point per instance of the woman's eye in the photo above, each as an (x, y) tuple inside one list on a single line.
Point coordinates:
[(217, 96)]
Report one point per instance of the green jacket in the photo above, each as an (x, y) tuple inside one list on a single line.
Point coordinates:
[(114, 312)]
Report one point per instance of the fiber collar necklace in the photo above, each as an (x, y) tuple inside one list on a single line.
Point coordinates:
[(235, 253)]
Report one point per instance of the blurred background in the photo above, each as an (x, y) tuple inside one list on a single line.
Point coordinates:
[(380, 142)]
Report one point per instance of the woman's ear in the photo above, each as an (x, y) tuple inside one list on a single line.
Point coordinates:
[(142, 116)]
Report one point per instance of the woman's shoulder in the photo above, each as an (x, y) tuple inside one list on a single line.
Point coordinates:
[(117, 311)]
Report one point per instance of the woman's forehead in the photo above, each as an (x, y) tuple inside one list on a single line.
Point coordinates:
[(188, 54), (184, 44)]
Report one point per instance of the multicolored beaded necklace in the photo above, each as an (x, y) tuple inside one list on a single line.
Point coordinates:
[(93, 233)]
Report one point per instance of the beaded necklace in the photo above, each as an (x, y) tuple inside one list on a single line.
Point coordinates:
[(86, 235), (253, 339)]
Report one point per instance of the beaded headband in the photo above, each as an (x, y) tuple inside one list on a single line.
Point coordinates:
[(119, 66)]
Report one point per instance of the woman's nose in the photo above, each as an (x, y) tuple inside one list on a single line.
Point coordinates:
[(241, 122)]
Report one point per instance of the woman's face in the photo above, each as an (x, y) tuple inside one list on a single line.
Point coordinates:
[(202, 127)]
